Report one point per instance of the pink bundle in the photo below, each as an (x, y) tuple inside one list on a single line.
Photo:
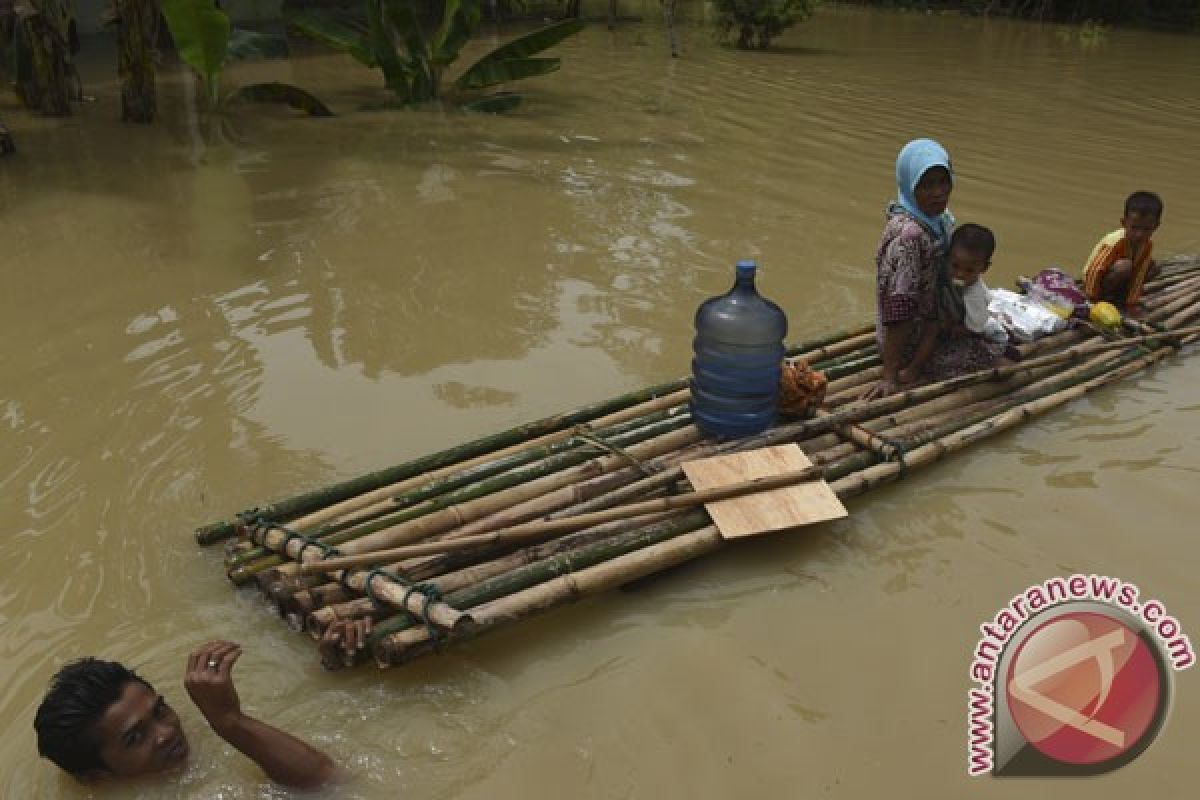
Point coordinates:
[(1056, 291)]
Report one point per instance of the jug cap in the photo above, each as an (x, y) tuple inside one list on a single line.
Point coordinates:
[(746, 265)]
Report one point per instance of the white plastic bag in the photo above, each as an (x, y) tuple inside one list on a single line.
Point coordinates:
[(1024, 320)]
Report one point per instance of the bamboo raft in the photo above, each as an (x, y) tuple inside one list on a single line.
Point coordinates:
[(451, 545)]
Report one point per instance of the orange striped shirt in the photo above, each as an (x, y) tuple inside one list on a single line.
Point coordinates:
[(1109, 250)]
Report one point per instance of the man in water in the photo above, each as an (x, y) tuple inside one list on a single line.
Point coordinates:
[(101, 719)]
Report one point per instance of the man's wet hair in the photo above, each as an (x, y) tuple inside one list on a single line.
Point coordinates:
[(1146, 203), (975, 239), (77, 698)]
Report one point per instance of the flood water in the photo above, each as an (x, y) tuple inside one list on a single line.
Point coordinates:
[(191, 328)]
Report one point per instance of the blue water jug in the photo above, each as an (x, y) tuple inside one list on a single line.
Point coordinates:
[(738, 354)]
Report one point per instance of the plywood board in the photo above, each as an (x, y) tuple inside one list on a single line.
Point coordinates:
[(764, 512)]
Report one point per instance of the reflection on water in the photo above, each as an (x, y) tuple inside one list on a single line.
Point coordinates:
[(192, 328)]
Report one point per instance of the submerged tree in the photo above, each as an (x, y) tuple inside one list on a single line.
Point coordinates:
[(38, 51), (7, 145), (413, 57), (137, 24), (754, 23)]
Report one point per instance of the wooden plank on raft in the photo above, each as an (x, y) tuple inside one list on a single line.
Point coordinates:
[(765, 512)]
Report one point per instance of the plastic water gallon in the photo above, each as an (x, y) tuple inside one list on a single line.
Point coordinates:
[(738, 353)]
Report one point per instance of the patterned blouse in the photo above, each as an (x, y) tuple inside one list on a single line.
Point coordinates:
[(906, 266)]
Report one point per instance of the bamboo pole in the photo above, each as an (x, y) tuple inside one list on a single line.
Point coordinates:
[(487, 498), (472, 585), (850, 387), (523, 502), (840, 361), (303, 603), (498, 487), (447, 617), (536, 506), (427, 487), (454, 571), (537, 574), (534, 531), (318, 498), (316, 622), (617, 423), (1171, 277), (866, 338), (940, 448), (628, 567), (1172, 293)]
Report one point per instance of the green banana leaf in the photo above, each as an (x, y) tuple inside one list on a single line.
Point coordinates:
[(244, 44), (402, 16), (332, 32), (276, 92), (488, 70), (494, 103), (201, 34), (397, 73), (491, 73), (459, 19)]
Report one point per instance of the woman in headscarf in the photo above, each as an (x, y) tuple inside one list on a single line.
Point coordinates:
[(914, 294)]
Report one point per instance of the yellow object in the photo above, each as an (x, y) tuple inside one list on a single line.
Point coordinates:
[(1105, 315), (1111, 248)]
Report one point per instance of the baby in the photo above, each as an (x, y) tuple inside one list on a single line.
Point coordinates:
[(971, 249)]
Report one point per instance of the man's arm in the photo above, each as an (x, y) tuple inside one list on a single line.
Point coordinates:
[(286, 759)]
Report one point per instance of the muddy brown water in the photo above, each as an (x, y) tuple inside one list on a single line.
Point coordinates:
[(191, 328)]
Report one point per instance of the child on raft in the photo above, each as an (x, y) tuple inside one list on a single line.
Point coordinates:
[(971, 249), (1120, 263)]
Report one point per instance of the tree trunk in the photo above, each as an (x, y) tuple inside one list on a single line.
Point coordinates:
[(669, 20), (7, 146), (46, 31), (137, 34)]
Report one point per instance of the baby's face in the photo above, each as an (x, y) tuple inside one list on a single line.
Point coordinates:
[(966, 267)]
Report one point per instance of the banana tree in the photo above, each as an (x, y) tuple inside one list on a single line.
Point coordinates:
[(206, 42), (37, 52), (413, 60), (137, 26)]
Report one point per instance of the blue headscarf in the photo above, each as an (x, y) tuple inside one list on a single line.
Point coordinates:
[(915, 159)]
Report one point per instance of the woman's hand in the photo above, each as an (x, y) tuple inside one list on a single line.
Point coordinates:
[(882, 388), (209, 682)]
